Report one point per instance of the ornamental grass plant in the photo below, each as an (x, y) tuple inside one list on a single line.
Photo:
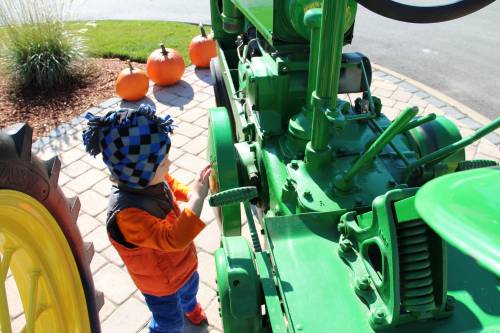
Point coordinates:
[(37, 50)]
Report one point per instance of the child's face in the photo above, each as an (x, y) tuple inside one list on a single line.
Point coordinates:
[(161, 171)]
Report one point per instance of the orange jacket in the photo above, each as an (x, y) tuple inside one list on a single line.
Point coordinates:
[(165, 256)]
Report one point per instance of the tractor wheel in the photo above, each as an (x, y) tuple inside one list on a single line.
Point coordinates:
[(40, 243), (222, 98)]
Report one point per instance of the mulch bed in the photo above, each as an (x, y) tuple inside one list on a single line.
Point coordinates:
[(45, 112)]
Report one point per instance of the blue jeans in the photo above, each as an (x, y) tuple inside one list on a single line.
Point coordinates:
[(168, 311)]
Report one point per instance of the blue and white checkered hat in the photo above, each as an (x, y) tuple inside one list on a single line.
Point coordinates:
[(132, 142)]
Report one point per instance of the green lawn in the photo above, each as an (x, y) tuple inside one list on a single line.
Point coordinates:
[(134, 40)]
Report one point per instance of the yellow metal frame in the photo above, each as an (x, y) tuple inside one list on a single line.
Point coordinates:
[(34, 247)]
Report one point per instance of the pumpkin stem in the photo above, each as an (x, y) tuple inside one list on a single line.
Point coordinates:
[(163, 49), (202, 29), (130, 65)]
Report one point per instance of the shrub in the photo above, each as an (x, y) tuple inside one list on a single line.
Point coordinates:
[(38, 51)]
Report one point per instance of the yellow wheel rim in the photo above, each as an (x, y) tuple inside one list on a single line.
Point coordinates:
[(38, 254)]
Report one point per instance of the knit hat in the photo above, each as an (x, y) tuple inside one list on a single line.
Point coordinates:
[(132, 142)]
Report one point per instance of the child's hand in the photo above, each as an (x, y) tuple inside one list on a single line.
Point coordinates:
[(200, 186)]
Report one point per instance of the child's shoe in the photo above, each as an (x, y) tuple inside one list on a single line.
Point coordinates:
[(197, 316)]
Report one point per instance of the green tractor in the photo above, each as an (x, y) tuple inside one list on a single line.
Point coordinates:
[(363, 224)]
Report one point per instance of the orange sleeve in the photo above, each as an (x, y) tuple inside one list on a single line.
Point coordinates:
[(179, 190), (143, 229)]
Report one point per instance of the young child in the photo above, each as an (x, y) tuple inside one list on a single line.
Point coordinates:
[(145, 224)]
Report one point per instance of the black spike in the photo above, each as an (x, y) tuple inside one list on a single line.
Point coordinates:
[(74, 207), (22, 135), (53, 167), (89, 251), (99, 299)]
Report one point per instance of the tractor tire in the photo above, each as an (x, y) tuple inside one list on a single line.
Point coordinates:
[(222, 98), (29, 188)]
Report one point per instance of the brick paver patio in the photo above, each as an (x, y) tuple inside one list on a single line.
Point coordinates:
[(188, 102)]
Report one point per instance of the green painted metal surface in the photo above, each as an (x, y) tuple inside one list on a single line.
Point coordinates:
[(344, 248), (464, 209), (222, 157)]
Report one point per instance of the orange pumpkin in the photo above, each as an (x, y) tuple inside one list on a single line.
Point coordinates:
[(165, 66), (202, 49), (132, 84)]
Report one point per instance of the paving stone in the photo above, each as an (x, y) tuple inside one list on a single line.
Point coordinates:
[(86, 180), (102, 217), (209, 238), (422, 95), (420, 103), (392, 79), (401, 106), (200, 96), (112, 255), (391, 113), (470, 152), (13, 298), (207, 213), (95, 162), (128, 318), (401, 96), (97, 263), (387, 102), (183, 176), (99, 237), (485, 148), (110, 102), (202, 122), (191, 115), (103, 187), (93, 203), (382, 92), (179, 140), (452, 112), (378, 74), (408, 87), (87, 223), (206, 269), (115, 283), (196, 145), (106, 309), (212, 312), (68, 193), (208, 104), (472, 124), (67, 142), (189, 130), (46, 153), (436, 102), (384, 85), (70, 156), (493, 138), (76, 168), (163, 95), (175, 153), (63, 178), (192, 104), (205, 295), (191, 163), (433, 109)]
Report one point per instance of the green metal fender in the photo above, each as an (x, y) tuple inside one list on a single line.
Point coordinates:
[(223, 158), (238, 286), (464, 209)]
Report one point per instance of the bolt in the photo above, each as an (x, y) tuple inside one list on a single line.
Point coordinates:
[(289, 184), (294, 165), (341, 227), (308, 196), (363, 283), (391, 184), (299, 327), (450, 303), (345, 244), (378, 316)]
